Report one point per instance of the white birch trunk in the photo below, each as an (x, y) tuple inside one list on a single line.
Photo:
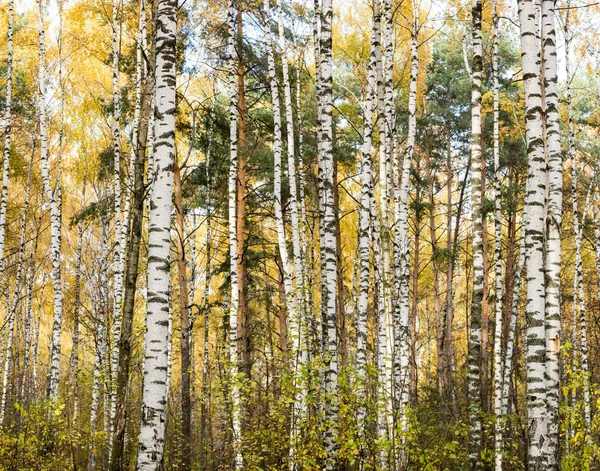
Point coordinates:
[(7, 131), (233, 255), (291, 169), (498, 362), (156, 360), (364, 217), (535, 351), (55, 216), (401, 243), (553, 237), (474, 359), (118, 259), (327, 223), (291, 300)]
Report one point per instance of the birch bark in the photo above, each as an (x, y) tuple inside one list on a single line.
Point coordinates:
[(155, 388), (55, 216), (327, 222), (7, 130), (474, 359), (234, 360), (553, 238), (535, 352)]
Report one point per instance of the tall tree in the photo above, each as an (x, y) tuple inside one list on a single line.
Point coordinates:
[(184, 308), (401, 242), (498, 362), (52, 195), (553, 231), (474, 361), (327, 222), (234, 359), (365, 222), (535, 351), (7, 130), (154, 400), (118, 239), (135, 236)]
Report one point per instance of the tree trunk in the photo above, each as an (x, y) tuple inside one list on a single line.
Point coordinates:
[(327, 220), (118, 248), (401, 246), (553, 236), (498, 371), (55, 217), (475, 334), (155, 389), (535, 353), (186, 397), (7, 130), (242, 183), (289, 297), (133, 250), (364, 216), (234, 258)]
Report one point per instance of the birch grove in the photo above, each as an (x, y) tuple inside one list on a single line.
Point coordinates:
[(299, 236)]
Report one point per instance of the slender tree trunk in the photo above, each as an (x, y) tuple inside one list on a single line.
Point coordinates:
[(186, 398), (30, 357), (498, 371), (7, 130), (290, 299), (439, 321), (328, 245), (578, 298), (447, 345), (364, 216), (101, 343), (206, 304), (118, 247), (242, 184), (553, 237), (234, 257), (475, 334), (485, 304), (535, 353), (133, 252), (74, 360), (155, 390), (291, 168), (55, 216), (342, 328), (415, 302), (401, 247)]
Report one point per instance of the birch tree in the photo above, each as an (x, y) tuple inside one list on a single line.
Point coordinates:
[(233, 242), (155, 389), (401, 243), (535, 353), (498, 362), (553, 239), (474, 360), (327, 223), (365, 222), (292, 299), (55, 216), (7, 130), (118, 238), (143, 144)]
